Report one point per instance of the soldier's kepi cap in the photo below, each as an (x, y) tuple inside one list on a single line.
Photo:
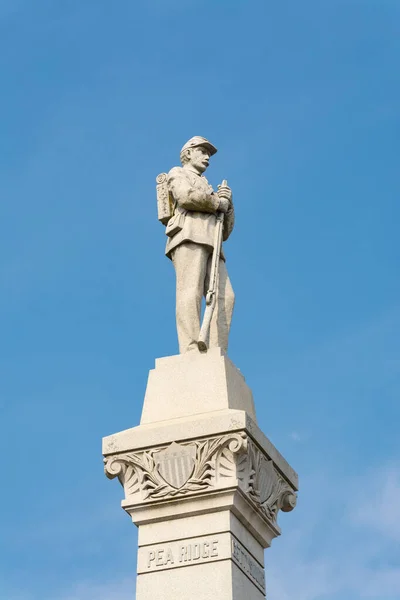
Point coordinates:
[(197, 140)]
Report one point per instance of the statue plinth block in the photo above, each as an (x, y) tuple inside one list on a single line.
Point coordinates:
[(202, 483), (194, 383)]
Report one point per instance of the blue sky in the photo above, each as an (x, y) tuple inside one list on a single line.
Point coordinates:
[(302, 99)]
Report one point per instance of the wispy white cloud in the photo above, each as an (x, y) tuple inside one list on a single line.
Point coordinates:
[(356, 557), (297, 436), (380, 509)]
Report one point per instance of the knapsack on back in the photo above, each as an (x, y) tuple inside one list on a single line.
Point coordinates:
[(168, 214), (165, 202)]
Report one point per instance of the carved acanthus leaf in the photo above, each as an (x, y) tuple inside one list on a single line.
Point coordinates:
[(159, 473), (264, 484)]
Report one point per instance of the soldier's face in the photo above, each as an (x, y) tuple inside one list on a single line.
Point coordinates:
[(199, 158)]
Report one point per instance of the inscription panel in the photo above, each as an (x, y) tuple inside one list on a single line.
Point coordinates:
[(183, 553), (248, 564), (189, 552)]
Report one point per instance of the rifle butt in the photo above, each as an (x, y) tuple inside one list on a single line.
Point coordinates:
[(205, 328), (202, 346)]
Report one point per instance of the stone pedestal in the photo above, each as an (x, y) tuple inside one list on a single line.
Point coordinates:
[(191, 384), (204, 485)]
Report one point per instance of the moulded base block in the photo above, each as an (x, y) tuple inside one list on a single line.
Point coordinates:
[(193, 383)]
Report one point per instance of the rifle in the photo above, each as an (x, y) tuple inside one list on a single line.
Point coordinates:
[(211, 296)]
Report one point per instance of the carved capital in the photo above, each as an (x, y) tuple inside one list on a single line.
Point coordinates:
[(177, 469), (209, 464)]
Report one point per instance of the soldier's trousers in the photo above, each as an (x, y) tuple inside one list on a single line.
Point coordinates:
[(192, 264)]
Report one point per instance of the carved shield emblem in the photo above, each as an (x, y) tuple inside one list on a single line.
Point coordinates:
[(266, 479), (176, 464)]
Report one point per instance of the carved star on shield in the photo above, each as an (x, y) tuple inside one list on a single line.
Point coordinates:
[(176, 463)]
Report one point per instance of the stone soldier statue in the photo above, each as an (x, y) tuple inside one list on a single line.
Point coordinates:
[(196, 209)]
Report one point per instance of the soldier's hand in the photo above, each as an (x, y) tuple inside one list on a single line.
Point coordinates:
[(225, 192), (224, 205)]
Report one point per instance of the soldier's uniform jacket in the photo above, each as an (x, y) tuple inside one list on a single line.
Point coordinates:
[(196, 199)]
